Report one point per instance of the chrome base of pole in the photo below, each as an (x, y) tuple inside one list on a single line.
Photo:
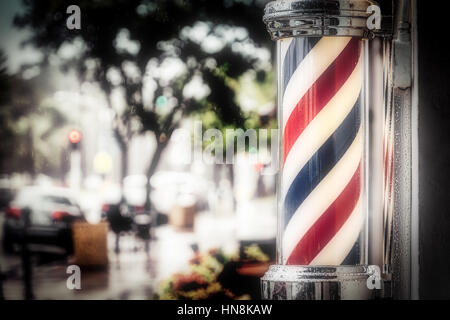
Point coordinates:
[(322, 283)]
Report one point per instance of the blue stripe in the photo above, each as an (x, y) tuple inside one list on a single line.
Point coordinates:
[(322, 162), (298, 50)]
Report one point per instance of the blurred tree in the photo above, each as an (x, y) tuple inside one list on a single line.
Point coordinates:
[(17, 99), (121, 44), (257, 88), (29, 126)]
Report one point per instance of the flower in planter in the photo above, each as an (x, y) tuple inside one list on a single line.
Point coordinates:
[(211, 276), (254, 253)]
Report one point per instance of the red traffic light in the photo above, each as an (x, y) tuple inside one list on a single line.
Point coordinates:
[(74, 136)]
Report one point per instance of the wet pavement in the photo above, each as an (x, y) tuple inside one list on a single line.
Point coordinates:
[(135, 273), (131, 274), (128, 276)]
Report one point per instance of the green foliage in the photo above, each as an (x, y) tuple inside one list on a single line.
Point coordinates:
[(157, 30), (150, 23)]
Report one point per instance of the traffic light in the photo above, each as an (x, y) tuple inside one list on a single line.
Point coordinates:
[(75, 139)]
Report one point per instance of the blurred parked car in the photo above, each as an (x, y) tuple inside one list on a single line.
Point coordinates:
[(6, 195), (52, 211), (7, 192)]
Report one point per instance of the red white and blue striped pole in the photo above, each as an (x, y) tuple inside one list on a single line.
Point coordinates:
[(322, 148), (326, 215)]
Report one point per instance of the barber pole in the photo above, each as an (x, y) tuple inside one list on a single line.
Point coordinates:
[(322, 149), (330, 187)]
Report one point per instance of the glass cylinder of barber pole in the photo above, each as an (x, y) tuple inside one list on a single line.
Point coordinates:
[(322, 76), (321, 188)]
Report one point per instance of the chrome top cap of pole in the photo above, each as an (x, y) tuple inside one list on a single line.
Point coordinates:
[(315, 18)]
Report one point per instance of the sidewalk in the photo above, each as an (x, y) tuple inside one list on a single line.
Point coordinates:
[(134, 274)]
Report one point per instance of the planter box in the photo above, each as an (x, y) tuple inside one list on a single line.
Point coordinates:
[(90, 244), (183, 213)]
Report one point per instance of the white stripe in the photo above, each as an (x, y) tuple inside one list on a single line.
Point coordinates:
[(321, 127), (339, 247), (313, 65), (322, 197)]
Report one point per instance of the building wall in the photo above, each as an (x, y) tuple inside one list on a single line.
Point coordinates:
[(434, 150)]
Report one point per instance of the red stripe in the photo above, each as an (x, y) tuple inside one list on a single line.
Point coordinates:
[(328, 225), (320, 93)]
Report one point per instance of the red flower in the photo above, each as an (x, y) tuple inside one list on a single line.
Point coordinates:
[(189, 282)]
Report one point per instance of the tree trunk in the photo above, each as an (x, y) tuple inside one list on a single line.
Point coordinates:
[(123, 166), (151, 170), (217, 174), (230, 169), (30, 155)]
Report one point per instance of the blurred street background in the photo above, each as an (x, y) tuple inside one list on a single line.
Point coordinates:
[(99, 166)]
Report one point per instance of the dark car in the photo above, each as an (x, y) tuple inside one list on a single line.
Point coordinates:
[(51, 213), (6, 195)]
